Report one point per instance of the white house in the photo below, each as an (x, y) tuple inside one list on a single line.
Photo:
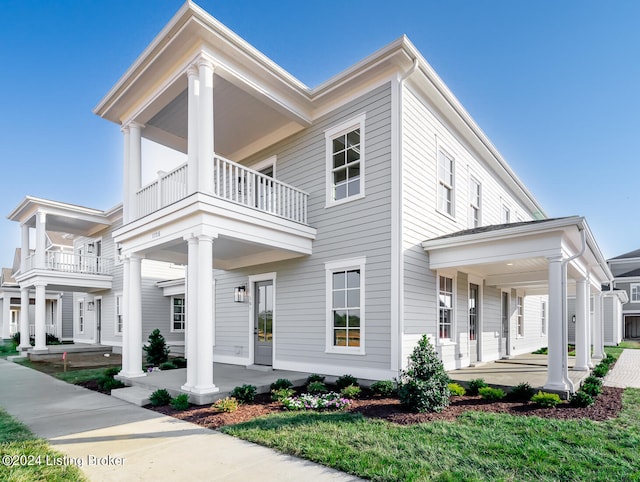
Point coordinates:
[(626, 271)]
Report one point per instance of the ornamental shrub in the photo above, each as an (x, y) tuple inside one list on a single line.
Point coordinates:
[(280, 383), (491, 394), (351, 392), (108, 384), (244, 393), (423, 386), (111, 372), (592, 386), (383, 388), (157, 351), (475, 385), (600, 370), (181, 402), (281, 393), (345, 381), (228, 404), (314, 377), (325, 401), (581, 399), (522, 392), (546, 400), (168, 366), (160, 397), (316, 387), (180, 362), (456, 390)]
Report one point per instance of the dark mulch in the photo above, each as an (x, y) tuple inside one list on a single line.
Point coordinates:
[(608, 405)]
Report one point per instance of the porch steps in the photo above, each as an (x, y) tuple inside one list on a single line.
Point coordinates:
[(136, 395)]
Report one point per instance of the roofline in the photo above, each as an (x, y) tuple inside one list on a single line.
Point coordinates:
[(14, 215)]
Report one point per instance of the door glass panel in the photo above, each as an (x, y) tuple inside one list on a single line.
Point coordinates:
[(473, 311), (265, 312)]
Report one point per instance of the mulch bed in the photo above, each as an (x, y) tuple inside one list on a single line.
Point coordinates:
[(608, 405)]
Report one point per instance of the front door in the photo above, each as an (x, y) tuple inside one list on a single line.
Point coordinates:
[(474, 308), (98, 319), (263, 322), (504, 332)]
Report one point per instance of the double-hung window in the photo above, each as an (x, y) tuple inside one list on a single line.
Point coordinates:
[(345, 161), (118, 327), (474, 203), (177, 313), (446, 166), (520, 315), (635, 292), (445, 309)]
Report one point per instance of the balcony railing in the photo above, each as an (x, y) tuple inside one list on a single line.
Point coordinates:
[(232, 182), (50, 329), (72, 263)]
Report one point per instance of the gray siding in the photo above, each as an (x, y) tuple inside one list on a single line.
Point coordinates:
[(67, 315)]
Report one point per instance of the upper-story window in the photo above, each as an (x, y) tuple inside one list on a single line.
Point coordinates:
[(506, 214), (445, 182), (345, 161), (635, 292), (475, 190)]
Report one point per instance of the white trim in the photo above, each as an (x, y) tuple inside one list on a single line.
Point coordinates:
[(172, 329), (253, 279), (452, 275), (344, 265), (117, 305), (268, 162), (544, 310), (476, 280), (631, 297), (507, 344), (357, 122), (81, 316), (442, 147), (95, 318), (519, 314), (232, 360), (470, 207), (397, 266)]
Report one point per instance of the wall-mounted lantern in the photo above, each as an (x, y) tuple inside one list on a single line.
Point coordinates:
[(91, 306), (240, 294), (573, 319)]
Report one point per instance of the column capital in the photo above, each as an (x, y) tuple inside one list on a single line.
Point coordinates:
[(193, 70), (40, 284), (555, 259), (202, 61), (133, 125), (200, 235)]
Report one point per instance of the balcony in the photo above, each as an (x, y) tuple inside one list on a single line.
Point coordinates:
[(72, 263), (232, 182)]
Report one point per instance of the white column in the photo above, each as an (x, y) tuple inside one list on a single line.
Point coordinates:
[(204, 382), (191, 331), (555, 379), (135, 167), (126, 355), (41, 333), (581, 326), (24, 318), (126, 191), (598, 327), (589, 325), (205, 127), (192, 126), (41, 239), (6, 315), (24, 247), (133, 322)]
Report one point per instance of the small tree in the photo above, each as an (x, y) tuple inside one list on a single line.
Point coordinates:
[(157, 351), (423, 386)]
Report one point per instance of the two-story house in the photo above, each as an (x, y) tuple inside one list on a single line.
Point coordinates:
[(626, 272), (326, 229)]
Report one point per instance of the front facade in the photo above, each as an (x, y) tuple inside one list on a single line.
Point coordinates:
[(626, 271)]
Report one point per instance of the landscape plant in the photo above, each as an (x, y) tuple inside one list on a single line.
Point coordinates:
[(281, 383), (345, 381), (581, 399), (546, 399), (384, 388), (107, 382), (351, 392), (456, 390), (323, 401), (156, 350), (168, 365), (314, 377), (160, 398), (491, 394), (475, 385), (592, 385), (244, 393), (522, 392), (181, 402), (315, 388), (281, 393), (227, 404)]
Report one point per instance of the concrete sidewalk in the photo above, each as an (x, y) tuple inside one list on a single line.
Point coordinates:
[(89, 427), (626, 372)]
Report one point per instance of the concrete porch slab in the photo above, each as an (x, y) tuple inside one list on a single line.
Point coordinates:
[(137, 395)]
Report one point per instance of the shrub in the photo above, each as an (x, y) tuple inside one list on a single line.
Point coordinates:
[(16, 339), (609, 359), (600, 370), (181, 402), (475, 385), (316, 387), (281, 393), (160, 397), (108, 384), (157, 351), (244, 393), (491, 394), (546, 400), (112, 372), (168, 366), (383, 388), (314, 377), (522, 392), (228, 404), (52, 340), (456, 390), (592, 386), (281, 383), (325, 401), (541, 351), (180, 362), (423, 386), (346, 380), (351, 392), (581, 399)]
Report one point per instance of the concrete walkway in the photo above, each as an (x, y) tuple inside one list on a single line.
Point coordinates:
[(143, 445), (626, 371)]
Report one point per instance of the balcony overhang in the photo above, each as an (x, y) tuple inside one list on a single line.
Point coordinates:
[(63, 281)]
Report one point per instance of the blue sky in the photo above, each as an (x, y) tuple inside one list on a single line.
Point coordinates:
[(553, 84)]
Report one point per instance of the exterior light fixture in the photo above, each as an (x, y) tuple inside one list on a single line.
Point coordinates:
[(239, 294), (573, 319)]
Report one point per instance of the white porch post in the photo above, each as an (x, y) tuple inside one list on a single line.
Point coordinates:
[(132, 330), (598, 327), (6, 315), (192, 127), (41, 333), (205, 127), (126, 355), (126, 191), (555, 379), (24, 318), (135, 167), (191, 331), (41, 238), (24, 247), (582, 344)]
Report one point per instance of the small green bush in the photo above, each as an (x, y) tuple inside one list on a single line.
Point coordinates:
[(314, 377), (346, 380), (52, 340), (108, 384), (592, 386), (456, 390), (157, 351), (168, 366), (315, 388), (600, 370), (160, 397), (244, 393), (383, 388), (281, 393), (112, 372), (475, 385), (491, 394), (609, 359), (581, 399), (180, 362), (228, 404), (541, 351), (351, 392), (181, 402), (522, 392), (546, 400), (281, 383)]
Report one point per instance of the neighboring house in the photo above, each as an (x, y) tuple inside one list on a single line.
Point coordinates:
[(611, 305), (326, 229), (626, 272), (75, 253)]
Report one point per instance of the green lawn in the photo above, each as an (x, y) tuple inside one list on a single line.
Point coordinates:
[(7, 348), (478, 446), (25, 458), (630, 344)]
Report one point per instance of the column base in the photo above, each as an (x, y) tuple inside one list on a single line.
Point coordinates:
[(40, 350), (598, 356), (560, 387), (581, 369), (200, 390), (139, 374)]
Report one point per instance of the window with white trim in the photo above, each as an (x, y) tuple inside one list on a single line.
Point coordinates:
[(520, 315), (445, 309), (543, 318), (445, 182), (634, 292), (475, 199), (118, 321), (81, 315), (345, 306), (177, 313), (345, 161), (506, 214)]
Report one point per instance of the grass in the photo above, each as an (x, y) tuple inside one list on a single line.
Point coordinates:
[(17, 441), (8, 348), (478, 446), (80, 376), (630, 344)]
